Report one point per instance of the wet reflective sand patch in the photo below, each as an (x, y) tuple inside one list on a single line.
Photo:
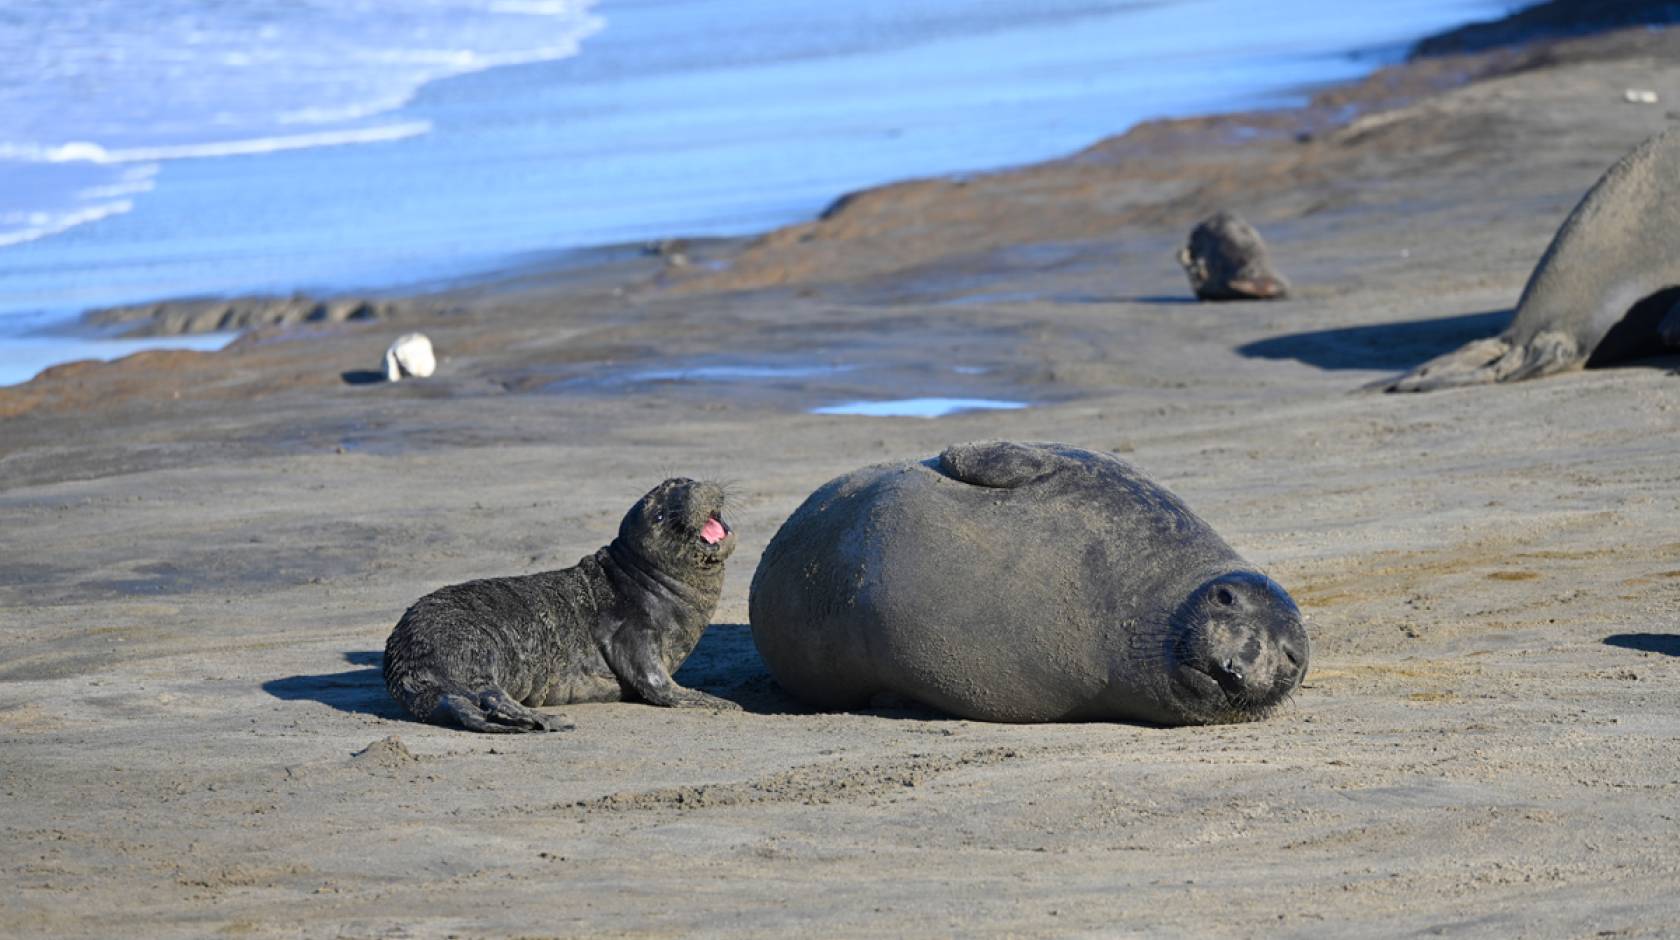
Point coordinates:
[(917, 407)]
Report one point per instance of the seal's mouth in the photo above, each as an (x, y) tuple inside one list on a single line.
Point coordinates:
[(714, 531), (1198, 682)]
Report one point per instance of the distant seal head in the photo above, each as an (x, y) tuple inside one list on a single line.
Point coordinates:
[(1023, 583), (410, 355), (1605, 291), (614, 626), (1225, 259)]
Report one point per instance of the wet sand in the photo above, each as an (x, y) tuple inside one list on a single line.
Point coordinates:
[(204, 553)]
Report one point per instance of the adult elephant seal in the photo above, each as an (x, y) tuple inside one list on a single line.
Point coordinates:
[(1021, 582), (613, 626), (1604, 291)]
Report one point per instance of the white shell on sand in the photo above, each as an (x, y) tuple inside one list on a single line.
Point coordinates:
[(410, 355)]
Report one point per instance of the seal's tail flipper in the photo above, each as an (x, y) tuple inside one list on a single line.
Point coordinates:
[(1485, 361), (494, 712), (1000, 464)]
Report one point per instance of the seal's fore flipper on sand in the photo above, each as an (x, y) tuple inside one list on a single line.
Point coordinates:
[(1495, 359), (1000, 464)]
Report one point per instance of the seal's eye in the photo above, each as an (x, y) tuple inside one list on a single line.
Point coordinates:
[(1224, 598), (659, 516)]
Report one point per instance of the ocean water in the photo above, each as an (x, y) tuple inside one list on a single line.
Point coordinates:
[(156, 148)]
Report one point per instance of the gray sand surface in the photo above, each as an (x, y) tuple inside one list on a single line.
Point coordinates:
[(203, 554)]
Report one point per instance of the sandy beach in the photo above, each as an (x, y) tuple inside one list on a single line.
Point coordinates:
[(204, 553)]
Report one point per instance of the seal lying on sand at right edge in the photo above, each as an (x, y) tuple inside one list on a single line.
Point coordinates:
[(613, 626), (1021, 582), (1604, 291)]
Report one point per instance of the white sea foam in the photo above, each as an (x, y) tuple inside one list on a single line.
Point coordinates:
[(81, 151), (194, 79), (18, 227), (534, 7)]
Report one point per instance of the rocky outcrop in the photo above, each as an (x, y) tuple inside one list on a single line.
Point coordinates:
[(227, 315)]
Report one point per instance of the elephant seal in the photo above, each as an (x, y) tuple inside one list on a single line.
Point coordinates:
[(1226, 260), (1604, 291), (613, 626), (1023, 583)]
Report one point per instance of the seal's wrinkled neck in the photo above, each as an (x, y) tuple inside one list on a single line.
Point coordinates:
[(693, 585)]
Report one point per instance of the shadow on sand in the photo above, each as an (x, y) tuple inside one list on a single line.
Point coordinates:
[(1163, 299), (1668, 644), (361, 691), (1392, 347), (362, 377), (724, 663), (727, 664)]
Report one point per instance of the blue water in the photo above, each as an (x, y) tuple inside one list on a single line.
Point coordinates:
[(153, 148)]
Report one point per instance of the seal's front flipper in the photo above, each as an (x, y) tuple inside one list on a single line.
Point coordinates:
[(634, 658), (694, 698), (495, 712), (1001, 464), (1485, 361)]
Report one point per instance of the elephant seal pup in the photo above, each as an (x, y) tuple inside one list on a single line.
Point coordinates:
[(1226, 260), (613, 626), (1604, 291), (1021, 582)]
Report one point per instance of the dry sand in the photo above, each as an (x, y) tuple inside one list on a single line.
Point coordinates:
[(203, 554)]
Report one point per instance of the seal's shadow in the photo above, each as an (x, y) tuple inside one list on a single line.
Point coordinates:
[(1172, 300), (1390, 347), (1635, 335), (360, 691), (1668, 644), (724, 663)]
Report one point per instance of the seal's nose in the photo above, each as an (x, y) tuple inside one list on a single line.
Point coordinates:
[(1293, 645), (1229, 675), (1260, 663)]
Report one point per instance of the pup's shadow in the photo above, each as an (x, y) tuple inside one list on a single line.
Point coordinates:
[(360, 691), (362, 377), (1668, 644), (1389, 347)]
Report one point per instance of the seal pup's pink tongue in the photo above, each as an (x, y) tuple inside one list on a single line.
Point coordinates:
[(713, 531)]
